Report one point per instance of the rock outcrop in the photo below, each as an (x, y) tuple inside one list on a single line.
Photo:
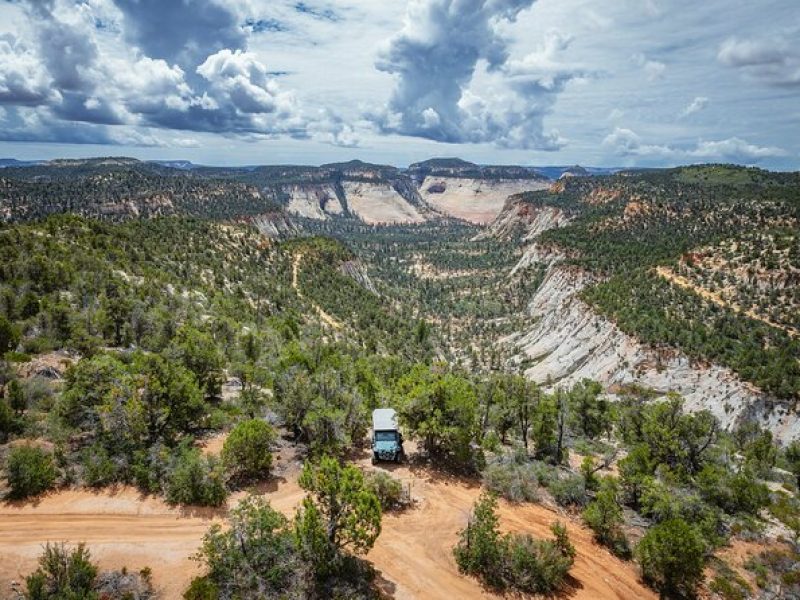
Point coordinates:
[(355, 269), (275, 226), (521, 219), (570, 341), (477, 200), (315, 201), (379, 202)]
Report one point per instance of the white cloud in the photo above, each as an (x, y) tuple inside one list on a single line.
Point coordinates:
[(775, 61), (545, 71), (625, 142), (696, 105), (23, 79), (455, 81), (736, 149), (653, 69), (241, 79)]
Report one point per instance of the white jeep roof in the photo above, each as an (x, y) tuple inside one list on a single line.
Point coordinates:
[(384, 419)]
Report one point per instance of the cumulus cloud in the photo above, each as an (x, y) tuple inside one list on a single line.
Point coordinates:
[(188, 69), (774, 61), (23, 124), (735, 149), (241, 79), (653, 69), (435, 58), (184, 32), (23, 79), (627, 143), (696, 105)]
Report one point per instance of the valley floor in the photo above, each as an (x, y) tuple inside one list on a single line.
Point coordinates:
[(413, 555)]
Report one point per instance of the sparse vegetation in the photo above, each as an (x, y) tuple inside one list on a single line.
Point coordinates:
[(387, 489), (518, 562), (126, 344), (66, 573), (262, 553)]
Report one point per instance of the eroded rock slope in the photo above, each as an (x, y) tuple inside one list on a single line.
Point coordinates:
[(569, 341)]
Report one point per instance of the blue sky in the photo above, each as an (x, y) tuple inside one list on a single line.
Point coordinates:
[(607, 83)]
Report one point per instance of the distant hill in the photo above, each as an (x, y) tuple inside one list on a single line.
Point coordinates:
[(185, 165), (442, 163), (13, 162), (357, 165), (555, 172)]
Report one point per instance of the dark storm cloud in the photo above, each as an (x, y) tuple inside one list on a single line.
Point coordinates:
[(26, 125), (434, 58), (79, 106), (181, 31)]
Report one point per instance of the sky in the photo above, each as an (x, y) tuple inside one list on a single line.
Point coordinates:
[(531, 82)]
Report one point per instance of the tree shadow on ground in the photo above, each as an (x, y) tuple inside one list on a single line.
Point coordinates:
[(385, 588)]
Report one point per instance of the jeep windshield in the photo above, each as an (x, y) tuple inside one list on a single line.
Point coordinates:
[(385, 436)]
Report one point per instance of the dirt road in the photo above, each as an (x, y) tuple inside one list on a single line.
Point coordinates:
[(413, 554), (717, 299)]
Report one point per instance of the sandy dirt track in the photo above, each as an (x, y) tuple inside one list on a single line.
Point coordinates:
[(413, 554), (717, 299)]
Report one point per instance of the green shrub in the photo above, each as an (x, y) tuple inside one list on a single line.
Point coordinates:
[(247, 453), (16, 397), (733, 492), (388, 489), (38, 394), (9, 335), (202, 588), (511, 480), (672, 556), (17, 357), (728, 584), (30, 471), (545, 474), (603, 515), (569, 490), (255, 557), (776, 568), (351, 512), (195, 479), (537, 566), (63, 574), (98, 468), (7, 420), (149, 468), (480, 548), (515, 561), (660, 502)]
